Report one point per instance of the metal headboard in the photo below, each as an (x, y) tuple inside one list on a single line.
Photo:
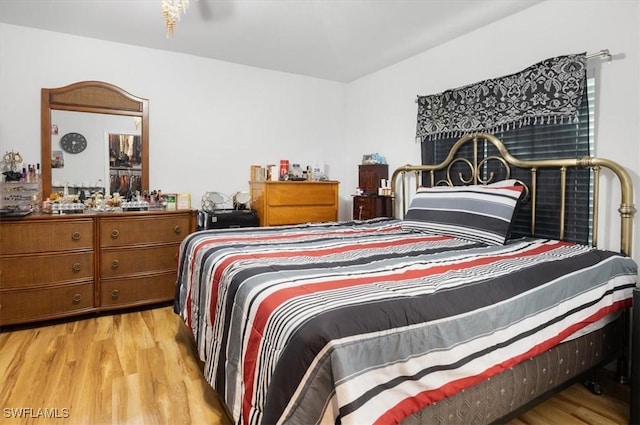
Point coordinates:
[(476, 164)]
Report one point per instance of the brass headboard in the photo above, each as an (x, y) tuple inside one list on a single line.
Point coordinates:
[(476, 162)]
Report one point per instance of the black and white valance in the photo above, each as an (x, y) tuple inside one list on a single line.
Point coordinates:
[(549, 91)]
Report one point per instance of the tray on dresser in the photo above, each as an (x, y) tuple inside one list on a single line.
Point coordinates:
[(13, 213)]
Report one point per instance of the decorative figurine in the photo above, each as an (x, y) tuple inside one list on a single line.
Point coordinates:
[(11, 160)]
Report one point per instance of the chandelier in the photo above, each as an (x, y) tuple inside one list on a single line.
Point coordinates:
[(171, 10)]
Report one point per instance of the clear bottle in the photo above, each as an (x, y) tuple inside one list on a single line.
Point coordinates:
[(296, 171)]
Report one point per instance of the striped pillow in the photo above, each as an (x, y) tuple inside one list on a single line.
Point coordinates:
[(476, 213)]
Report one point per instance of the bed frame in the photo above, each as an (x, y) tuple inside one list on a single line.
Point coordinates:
[(508, 394)]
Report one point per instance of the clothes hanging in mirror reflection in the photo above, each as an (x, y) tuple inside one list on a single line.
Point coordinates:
[(125, 182), (125, 150)]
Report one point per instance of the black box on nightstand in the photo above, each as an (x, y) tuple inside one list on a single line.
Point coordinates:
[(227, 219)]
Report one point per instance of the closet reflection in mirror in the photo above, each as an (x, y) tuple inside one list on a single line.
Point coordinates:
[(91, 169), (125, 164)]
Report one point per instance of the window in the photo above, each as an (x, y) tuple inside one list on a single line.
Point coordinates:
[(544, 141)]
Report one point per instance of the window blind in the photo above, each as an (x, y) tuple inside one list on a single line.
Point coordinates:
[(542, 141)]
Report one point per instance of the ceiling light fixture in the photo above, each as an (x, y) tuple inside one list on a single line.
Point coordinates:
[(171, 11)]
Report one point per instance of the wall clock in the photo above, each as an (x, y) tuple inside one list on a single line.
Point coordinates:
[(73, 142)]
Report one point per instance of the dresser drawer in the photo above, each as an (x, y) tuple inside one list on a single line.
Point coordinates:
[(302, 194), (48, 303), (296, 215), (138, 260), (116, 293), (24, 271), (122, 231), (32, 236)]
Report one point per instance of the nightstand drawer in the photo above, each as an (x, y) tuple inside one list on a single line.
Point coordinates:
[(367, 207)]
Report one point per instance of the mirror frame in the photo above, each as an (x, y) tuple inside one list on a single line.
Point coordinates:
[(94, 97)]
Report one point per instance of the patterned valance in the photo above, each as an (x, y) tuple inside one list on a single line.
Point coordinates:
[(549, 91)]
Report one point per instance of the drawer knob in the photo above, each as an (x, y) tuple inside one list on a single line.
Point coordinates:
[(177, 230), (76, 267), (115, 264), (115, 233), (115, 293), (76, 298), (75, 236)]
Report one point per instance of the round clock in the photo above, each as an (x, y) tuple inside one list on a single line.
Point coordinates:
[(73, 142)]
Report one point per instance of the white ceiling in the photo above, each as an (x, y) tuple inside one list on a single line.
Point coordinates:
[(339, 40)]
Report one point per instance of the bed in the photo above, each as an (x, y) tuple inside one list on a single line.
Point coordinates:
[(437, 316)]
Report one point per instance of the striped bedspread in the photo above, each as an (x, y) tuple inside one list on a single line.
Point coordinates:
[(366, 323)]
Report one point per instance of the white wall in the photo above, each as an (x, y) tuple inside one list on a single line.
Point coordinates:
[(209, 120), (381, 109)]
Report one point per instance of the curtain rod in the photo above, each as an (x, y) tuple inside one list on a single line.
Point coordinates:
[(604, 54)]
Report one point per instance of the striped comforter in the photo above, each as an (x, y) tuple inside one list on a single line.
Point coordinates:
[(363, 322)]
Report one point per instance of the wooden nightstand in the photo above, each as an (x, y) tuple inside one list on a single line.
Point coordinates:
[(370, 204), (366, 207)]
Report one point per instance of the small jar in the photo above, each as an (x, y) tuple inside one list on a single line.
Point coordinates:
[(296, 171)]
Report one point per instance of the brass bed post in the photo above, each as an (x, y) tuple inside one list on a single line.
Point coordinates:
[(563, 199), (474, 169), (404, 193), (627, 209), (534, 175), (596, 204)]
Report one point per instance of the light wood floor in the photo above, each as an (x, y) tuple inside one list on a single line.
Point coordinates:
[(141, 368)]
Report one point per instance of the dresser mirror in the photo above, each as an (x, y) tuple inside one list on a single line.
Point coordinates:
[(95, 136)]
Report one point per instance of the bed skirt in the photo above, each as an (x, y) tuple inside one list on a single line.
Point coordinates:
[(496, 399)]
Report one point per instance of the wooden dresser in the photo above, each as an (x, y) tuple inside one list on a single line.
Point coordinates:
[(46, 268), (57, 266), (288, 202)]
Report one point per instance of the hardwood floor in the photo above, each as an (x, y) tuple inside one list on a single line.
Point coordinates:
[(133, 368), (141, 368), (577, 406)]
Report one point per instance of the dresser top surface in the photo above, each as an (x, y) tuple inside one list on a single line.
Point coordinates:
[(45, 216)]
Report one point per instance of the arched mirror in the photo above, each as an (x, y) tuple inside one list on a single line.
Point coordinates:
[(95, 136)]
